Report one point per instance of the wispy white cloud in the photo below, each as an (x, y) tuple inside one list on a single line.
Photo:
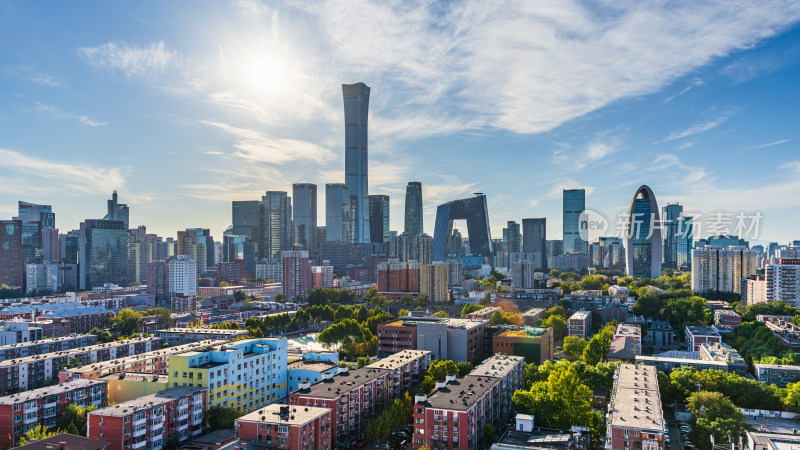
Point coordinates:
[(61, 114), (792, 165), (59, 176), (686, 174), (693, 84), (45, 80), (782, 141), (130, 60), (699, 127)]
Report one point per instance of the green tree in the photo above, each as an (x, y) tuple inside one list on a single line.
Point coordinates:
[(574, 346), (486, 299), (464, 368), (470, 308), (489, 435), (561, 401), (38, 432), (558, 324), (597, 349), (127, 322), (403, 313), (557, 311), (221, 417), (103, 336), (422, 300), (363, 362), (441, 314), (716, 415)]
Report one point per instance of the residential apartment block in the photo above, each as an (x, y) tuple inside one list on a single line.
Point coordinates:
[(23, 349), (716, 268), (635, 419), (454, 339), (727, 317), (580, 324), (699, 334), (404, 368), (179, 336), (777, 374), (434, 281), (287, 427)]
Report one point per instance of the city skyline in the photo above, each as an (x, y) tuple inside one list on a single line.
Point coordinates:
[(134, 106)]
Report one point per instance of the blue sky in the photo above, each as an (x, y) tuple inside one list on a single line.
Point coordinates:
[(184, 106)]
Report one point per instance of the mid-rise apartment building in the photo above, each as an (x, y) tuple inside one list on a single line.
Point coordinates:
[(699, 334), (405, 369), (777, 374), (179, 336), (727, 317), (149, 422), (629, 330), (717, 268), (782, 281), (397, 276), (635, 419), (287, 427), (23, 349), (580, 324), (19, 413), (434, 281), (454, 339)]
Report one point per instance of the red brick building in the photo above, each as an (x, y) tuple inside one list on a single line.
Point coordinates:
[(405, 369), (580, 324), (53, 328), (24, 411), (727, 317), (287, 427), (396, 276), (150, 421), (183, 303), (699, 334), (354, 396), (635, 419), (395, 336)]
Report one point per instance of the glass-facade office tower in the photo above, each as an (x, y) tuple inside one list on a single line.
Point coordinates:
[(37, 221), (475, 212), (305, 214), (534, 235), (356, 109), (103, 253), (117, 211), (244, 215), (685, 232), (338, 220), (574, 204), (643, 244), (413, 213), (512, 238), (275, 224), (11, 267), (379, 218), (204, 236), (669, 217)]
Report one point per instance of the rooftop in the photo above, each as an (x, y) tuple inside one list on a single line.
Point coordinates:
[(624, 347), (721, 364), (776, 366), (701, 330), (36, 394), (533, 312), (342, 383), (133, 376), (636, 402), (164, 352), (486, 311), (581, 315), (75, 351), (462, 393), (131, 406), (70, 440), (529, 332), (628, 329), (202, 331), (498, 365), (298, 415), (398, 360), (315, 366), (44, 341)]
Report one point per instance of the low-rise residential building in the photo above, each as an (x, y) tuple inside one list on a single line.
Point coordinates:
[(405, 369), (244, 375), (511, 372), (777, 374), (81, 317), (65, 441), (533, 315), (784, 329), (484, 313), (150, 421), (19, 331), (454, 339), (635, 418), (19, 413), (725, 353), (525, 436), (699, 334), (178, 336), (629, 330), (36, 371), (727, 317), (534, 344), (396, 336), (30, 348), (624, 349), (580, 324), (287, 427), (353, 396)]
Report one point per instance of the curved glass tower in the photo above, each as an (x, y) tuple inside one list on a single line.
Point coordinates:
[(643, 244), (356, 109)]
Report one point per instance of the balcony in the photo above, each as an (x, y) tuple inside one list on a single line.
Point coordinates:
[(26, 420), (139, 444), (183, 416), (141, 432), (50, 405), (141, 421), (156, 437), (182, 427), (157, 426)]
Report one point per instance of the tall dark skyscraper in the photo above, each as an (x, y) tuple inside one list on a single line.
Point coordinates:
[(512, 237), (475, 212), (117, 211), (103, 253), (643, 245), (204, 235), (574, 204), (534, 236), (413, 216), (305, 214), (275, 224), (356, 109), (338, 220), (244, 215), (379, 218), (37, 221), (11, 268)]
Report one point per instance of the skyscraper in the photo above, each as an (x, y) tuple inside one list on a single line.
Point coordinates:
[(37, 221), (534, 236), (475, 212), (643, 244), (379, 218), (413, 216), (103, 253), (117, 211), (356, 109), (244, 215), (512, 238), (275, 224), (670, 215), (203, 235), (305, 214), (337, 213), (11, 268), (574, 205), (685, 232)]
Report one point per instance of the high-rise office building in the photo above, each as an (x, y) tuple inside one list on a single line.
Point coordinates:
[(356, 109), (275, 224), (182, 276), (305, 214), (338, 220), (379, 218), (413, 213), (11, 267), (118, 211), (103, 253), (195, 245), (37, 223), (512, 238), (244, 216), (685, 233), (204, 234), (534, 236), (574, 203), (643, 244), (669, 219), (475, 212)]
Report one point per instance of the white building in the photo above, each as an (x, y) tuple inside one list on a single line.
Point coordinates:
[(782, 282), (269, 271), (716, 268), (182, 274), (43, 277)]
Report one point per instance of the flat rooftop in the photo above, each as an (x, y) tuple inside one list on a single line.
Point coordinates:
[(701, 330), (776, 367), (36, 394), (147, 401), (134, 376), (636, 402), (164, 352), (498, 366), (628, 329), (527, 332), (398, 359), (706, 362), (202, 331), (533, 312), (44, 341), (75, 351), (298, 415), (315, 366), (581, 315), (342, 383), (486, 310), (462, 393)]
